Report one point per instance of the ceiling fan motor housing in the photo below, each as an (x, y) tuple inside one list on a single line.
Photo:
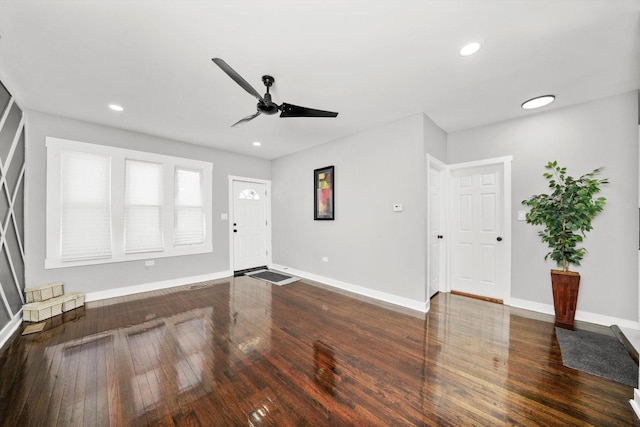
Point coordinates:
[(267, 107)]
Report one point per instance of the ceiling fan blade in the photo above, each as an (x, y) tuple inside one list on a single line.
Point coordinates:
[(290, 110), (246, 119), (236, 77)]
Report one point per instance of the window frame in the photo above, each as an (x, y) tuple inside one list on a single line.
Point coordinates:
[(118, 157)]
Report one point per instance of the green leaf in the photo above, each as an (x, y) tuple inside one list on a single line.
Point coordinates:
[(566, 213)]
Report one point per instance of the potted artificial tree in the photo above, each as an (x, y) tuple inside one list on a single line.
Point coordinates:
[(566, 214)]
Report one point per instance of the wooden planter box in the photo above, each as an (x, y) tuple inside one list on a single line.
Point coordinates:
[(43, 310), (72, 300), (565, 286), (44, 292)]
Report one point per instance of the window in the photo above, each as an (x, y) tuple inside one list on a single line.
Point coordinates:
[(189, 214), (85, 229), (107, 204), (249, 194), (143, 207)]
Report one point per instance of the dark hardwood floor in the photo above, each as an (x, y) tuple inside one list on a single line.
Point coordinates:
[(244, 352)]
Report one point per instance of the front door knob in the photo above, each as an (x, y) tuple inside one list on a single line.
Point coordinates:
[(499, 239)]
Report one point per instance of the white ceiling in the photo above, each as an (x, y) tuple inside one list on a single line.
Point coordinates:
[(372, 61)]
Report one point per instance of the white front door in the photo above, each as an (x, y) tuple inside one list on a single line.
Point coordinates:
[(249, 223), (436, 227), (478, 255)]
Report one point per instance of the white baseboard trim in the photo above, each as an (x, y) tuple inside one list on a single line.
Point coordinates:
[(635, 402), (422, 306), (584, 316), (530, 305), (10, 328), (153, 286)]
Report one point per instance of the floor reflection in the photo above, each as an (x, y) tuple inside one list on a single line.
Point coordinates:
[(262, 414), (250, 306), (245, 352), (162, 359), (480, 339), (324, 366)]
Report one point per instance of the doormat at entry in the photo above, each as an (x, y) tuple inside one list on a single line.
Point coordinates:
[(274, 277), (597, 354)]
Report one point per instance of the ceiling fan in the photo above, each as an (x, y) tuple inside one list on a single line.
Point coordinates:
[(265, 104)]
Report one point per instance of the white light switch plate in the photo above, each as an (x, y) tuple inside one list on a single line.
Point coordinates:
[(522, 215)]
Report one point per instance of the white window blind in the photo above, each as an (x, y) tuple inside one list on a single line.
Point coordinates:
[(189, 209), (143, 206), (85, 206), (108, 204)]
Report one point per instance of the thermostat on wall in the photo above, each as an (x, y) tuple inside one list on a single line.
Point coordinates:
[(397, 207)]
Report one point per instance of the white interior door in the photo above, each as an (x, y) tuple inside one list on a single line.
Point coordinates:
[(249, 225), (436, 228), (478, 255)]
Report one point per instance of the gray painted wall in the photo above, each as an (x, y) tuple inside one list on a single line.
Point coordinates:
[(435, 139), (367, 244), (109, 276), (582, 138)]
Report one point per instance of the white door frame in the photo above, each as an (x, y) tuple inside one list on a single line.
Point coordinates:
[(435, 163), (506, 177), (232, 179)]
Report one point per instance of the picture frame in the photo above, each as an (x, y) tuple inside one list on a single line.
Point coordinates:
[(324, 193)]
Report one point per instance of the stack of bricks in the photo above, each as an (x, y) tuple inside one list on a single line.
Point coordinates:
[(48, 301)]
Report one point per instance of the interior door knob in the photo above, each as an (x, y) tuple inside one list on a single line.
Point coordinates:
[(499, 239)]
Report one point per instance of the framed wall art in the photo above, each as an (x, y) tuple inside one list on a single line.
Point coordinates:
[(324, 193)]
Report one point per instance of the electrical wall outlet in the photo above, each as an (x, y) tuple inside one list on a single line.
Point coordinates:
[(149, 263), (325, 259)]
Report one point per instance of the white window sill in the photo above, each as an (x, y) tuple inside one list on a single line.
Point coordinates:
[(52, 263)]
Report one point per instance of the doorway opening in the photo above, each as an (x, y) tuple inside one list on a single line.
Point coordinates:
[(469, 236), (249, 224)]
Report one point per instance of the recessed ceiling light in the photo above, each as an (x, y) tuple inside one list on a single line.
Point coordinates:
[(538, 101), (257, 144), (116, 107), (470, 49)]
